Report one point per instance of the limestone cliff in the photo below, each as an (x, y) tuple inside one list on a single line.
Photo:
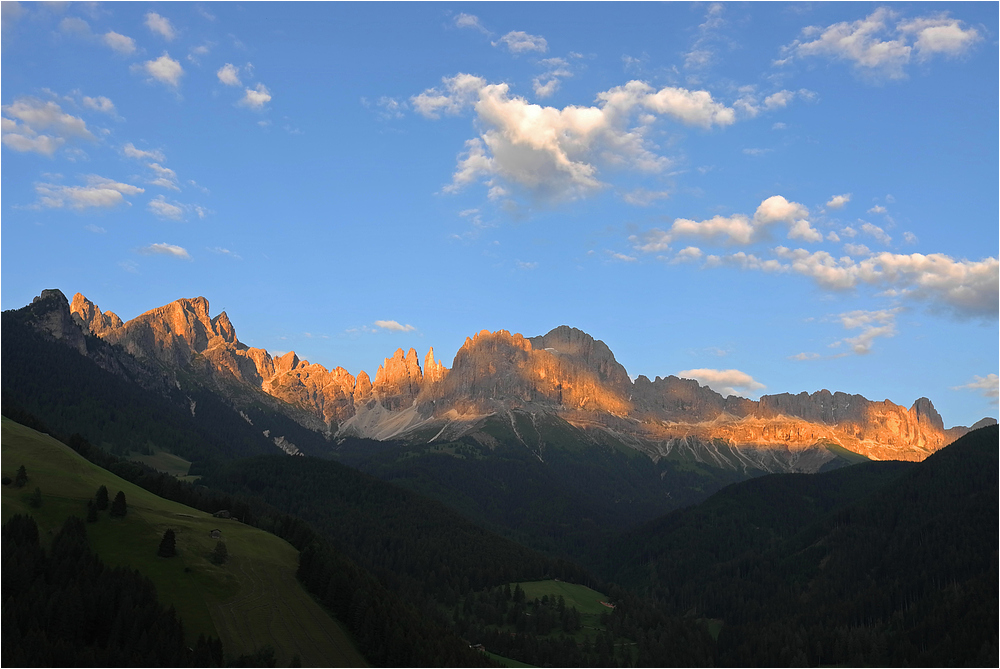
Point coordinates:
[(566, 373)]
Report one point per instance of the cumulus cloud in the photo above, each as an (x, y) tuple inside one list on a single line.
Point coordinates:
[(873, 324), (939, 35), (100, 103), (165, 177), (548, 82), (229, 74), (164, 209), (161, 26), (164, 69), (876, 232), (119, 43), (131, 152), (881, 45), (460, 92), (985, 385), (556, 153), (98, 193), (838, 201), (688, 254), (518, 41), (395, 326), (256, 98), (25, 118), (167, 250), (966, 289), (737, 229), (726, 382), (877, 209)]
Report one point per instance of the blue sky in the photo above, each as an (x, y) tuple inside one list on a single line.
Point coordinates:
[(768, 197)]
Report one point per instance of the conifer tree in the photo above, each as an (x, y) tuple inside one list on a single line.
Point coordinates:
[(36, 498), (168, 545), (118, 507), (220, 554), (91, 511), (21, 478), (101, 499)]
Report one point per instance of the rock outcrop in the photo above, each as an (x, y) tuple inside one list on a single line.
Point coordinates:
[(565, 372)]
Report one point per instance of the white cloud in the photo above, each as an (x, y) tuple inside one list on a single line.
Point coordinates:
[(463, 20), (876, 232), (873, 324), (131, 152), (802, 230), (877, 209), (838, 201), (161, 26), (778, 100), (164, 69), (688, 254), (165, 177), (256, 98), (724, 381), (229, 74), (166, 249), (518, 41), (757, 152), (986, 385), (737, 229), (555, 153), (395, 326), (910, 238), (460, 91), (621, 256), (119, 43), (939, 35), (164, 209), (37, 115), (100, 103), (880, 45), (857, 250), (805, 356), (73, 24), (548, 82), (967, 289), (98, 193)]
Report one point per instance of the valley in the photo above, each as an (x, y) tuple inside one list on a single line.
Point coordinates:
[(409, 545)]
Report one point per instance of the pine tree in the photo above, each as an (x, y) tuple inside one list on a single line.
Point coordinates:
[(220, 554), (118, 507), (21, 478), (168, 545), (101, 499), (91, 511), (36, 498)]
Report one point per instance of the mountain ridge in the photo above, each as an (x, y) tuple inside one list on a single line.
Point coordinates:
[(565, 372)]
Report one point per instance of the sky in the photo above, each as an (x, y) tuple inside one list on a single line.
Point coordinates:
[(767, 197)]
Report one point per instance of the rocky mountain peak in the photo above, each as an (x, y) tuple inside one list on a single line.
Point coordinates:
[(398, 380), (50, 315), (591, 354), (92, 318), (926, 414), (434, 371)]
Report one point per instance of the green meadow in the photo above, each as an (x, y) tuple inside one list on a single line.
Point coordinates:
[(586, 601), (253, 600)]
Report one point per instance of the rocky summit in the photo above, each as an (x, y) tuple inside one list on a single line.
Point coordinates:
[(564, 375)]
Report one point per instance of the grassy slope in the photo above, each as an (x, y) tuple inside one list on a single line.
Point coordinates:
[(253, 600), (586, 601)]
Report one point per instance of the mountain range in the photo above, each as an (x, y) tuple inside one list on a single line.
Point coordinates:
[(565, 375)]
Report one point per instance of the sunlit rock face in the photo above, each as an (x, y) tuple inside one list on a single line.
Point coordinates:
[(398, 380), (565, 373)]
